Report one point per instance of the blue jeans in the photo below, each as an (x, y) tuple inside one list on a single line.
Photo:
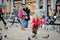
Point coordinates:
[(26, 24), (22, 21)]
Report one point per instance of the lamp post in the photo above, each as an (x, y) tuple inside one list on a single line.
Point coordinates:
[(53, 6), (45, 7), (24, 3), (11, 6), (0, 2)]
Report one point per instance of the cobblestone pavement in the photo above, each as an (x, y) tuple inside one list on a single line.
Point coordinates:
[(15, 33)]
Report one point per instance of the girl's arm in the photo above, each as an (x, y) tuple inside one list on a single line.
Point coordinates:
[(32, 21), (40, 23)]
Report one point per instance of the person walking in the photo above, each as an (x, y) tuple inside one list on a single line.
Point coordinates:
[(27, 16), (35, 25), (16, 16), (20, 16), (1, 13), (43, 21)]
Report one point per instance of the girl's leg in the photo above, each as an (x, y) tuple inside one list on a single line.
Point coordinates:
[(13, 21), (34, 31), (19, 21), (22, 24)]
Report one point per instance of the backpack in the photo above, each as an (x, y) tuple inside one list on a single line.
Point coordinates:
[(20, 14)]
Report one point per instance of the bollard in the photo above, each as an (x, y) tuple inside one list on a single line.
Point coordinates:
[(5, 36), (0, 36)]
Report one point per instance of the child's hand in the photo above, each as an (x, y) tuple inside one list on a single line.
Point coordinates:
[(32, 24), (40, 25)]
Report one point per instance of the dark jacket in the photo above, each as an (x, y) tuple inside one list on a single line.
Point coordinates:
[(1, 12), (28, 12)]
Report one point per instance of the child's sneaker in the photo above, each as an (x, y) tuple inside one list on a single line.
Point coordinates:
[(22, 28), (33, 35), (29, 38)]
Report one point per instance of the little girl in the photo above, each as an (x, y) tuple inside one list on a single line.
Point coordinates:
[(43, 20), (35, 24)]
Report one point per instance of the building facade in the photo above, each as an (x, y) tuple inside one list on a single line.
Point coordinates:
[(30, 3)]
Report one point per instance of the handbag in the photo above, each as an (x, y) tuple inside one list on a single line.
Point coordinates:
[(26, 17)]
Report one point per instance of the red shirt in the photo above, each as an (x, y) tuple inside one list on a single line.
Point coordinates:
[(35, 21)]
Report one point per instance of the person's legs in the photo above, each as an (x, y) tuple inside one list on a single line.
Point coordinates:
[(3, 20), (19, 21), (33, 34), (34, 31), (26, 24), (22, 24), (13, 21), (4, 23)]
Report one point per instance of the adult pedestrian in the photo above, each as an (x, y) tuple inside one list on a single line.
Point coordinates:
[(1, 17), (15, 15), (21, 18), (27, 16)]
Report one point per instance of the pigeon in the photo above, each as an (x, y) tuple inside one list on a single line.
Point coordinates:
[(29, 38), (46, 36)]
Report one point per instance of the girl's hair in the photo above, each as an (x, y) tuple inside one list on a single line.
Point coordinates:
[(43, 16), (35, 15)]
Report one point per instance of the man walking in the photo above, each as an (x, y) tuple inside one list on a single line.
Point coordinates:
[(1, 13)]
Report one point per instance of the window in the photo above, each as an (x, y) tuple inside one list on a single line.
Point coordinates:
[(17, 0), (7, 0), (41, 4)]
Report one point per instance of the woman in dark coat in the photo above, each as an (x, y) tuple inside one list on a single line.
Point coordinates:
[(28, 16)]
